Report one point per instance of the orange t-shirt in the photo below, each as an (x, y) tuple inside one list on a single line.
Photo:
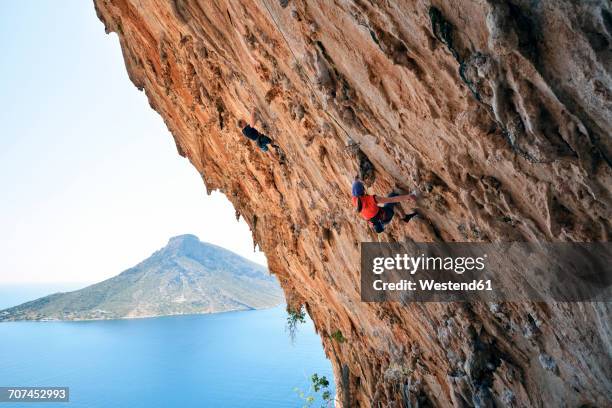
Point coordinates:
[(369, 207)]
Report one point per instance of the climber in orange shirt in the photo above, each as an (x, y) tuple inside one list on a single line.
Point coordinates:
[(379, 210)]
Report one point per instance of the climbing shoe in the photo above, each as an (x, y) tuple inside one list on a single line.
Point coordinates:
[(410, 216)]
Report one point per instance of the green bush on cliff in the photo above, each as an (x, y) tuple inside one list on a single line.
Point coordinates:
[(319, 387), (338, 336), (295, 317)]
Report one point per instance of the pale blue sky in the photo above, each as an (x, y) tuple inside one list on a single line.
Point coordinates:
[(90, 179)]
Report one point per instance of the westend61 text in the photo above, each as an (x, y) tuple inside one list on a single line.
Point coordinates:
[(431, 285), (486, 272)]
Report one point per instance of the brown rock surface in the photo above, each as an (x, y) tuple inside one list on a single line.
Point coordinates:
[(499, 110)]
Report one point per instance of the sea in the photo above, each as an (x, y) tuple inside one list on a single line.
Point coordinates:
[(225, 360)]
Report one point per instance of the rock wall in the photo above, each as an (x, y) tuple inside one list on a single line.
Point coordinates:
[(499, 111)]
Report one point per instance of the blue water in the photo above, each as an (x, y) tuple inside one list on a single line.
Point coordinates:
[(227, 360)]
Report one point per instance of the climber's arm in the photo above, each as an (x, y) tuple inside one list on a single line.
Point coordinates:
[(381, 201)]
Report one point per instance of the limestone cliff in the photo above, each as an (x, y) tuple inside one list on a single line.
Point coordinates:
[(498, 110)]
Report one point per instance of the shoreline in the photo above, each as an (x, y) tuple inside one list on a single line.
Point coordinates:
[(137, 317)]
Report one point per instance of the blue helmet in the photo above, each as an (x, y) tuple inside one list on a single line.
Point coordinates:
[(358, 188)]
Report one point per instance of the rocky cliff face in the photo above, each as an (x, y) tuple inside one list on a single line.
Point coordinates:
[(498, 110)]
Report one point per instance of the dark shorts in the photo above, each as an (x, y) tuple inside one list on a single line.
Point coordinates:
[(387, 210), (263, 141), (260, 139), (384, 216)]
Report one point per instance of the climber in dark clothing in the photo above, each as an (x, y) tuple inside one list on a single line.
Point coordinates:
[(379, 210), (250, 132)]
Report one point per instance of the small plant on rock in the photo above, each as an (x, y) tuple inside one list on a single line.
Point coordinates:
[(338, 336), (319, 389), (295, 316)]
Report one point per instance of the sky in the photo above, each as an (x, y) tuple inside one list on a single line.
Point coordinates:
[(90, 180)]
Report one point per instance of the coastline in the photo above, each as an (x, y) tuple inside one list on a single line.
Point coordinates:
[(138, 317)]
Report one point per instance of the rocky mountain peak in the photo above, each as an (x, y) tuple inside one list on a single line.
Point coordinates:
[(204, 277), (184, 244)]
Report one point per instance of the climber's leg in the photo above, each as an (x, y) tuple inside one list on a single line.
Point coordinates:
[(388, 210), (263, 141), (391, 205)]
